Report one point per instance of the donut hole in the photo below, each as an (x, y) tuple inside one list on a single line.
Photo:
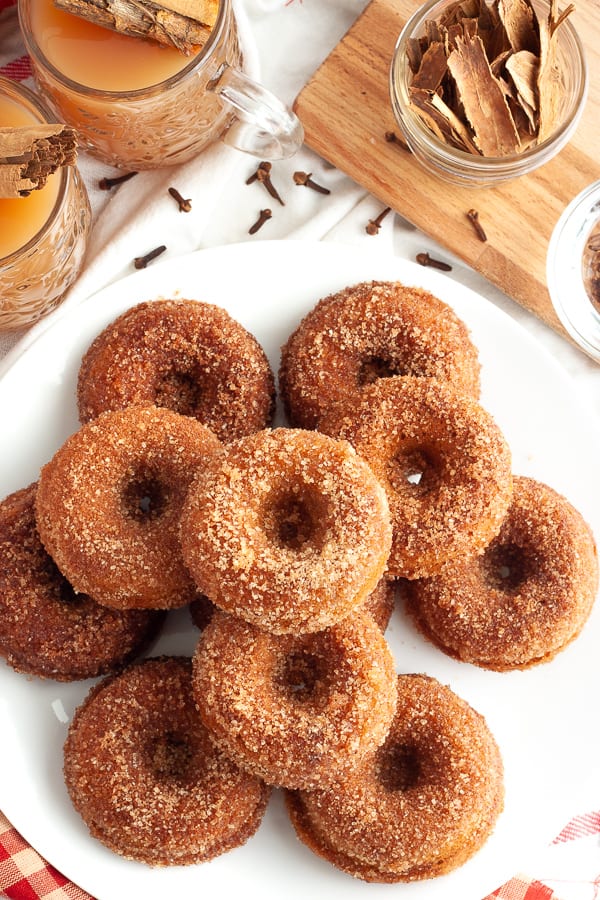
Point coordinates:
[(62, 589), (303, 676), (413, 469), (66, 594), (144, 496), (179, 389), (398, 766), (377, 366), (170, 756), (506, 566), (294, 520)]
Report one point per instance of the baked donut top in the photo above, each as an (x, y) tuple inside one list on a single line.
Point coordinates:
[(366, 332), (289, 530), (185, 355), (443, 462)]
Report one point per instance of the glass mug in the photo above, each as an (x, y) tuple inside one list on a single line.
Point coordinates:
[(43, 237), (182, 105)]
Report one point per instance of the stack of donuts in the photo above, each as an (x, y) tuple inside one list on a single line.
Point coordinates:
[(288, 544)]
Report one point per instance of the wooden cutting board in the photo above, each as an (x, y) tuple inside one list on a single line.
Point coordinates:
[(345, 110)]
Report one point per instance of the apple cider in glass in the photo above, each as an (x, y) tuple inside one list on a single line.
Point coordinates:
[(138, 104), (43, 236), (135, 103)]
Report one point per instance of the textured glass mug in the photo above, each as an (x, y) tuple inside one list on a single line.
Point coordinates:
[(471, 170), (170, 122), (35, 277)]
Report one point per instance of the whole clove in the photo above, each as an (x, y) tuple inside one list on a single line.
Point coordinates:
[(473, 217), (140, 262), (263, 176), (105, 184), (392, 138), (375, 224), (265, 215), (304, 179), (424, 259), (184, 205), (262, 167)]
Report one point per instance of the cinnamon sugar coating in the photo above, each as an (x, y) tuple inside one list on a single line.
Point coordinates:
[(379, 605), (525, 598), (368, 331), (46, 629), (145, 777), (185, 355), (289, 530), (108, 505), (295, 710), (443, 461), (421, 804), (381, 602)]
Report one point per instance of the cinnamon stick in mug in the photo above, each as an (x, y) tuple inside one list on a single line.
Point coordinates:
[(184, 24), (29, 155)]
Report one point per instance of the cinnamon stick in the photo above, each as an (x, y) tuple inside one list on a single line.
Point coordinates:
[(549, 82), (483, 99), (487, 75), (184, 24), (29, 155)]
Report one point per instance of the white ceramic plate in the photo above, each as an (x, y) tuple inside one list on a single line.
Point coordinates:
[(545, 719)]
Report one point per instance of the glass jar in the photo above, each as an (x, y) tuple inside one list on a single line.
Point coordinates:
[(573, 269), (35, 276), (472, 170), (167, 121)]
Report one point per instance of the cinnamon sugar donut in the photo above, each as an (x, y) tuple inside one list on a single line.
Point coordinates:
[(145, 777), (526, 597), (379, 605), (421, 804), (295, 710), (443, 462), (288, 530), (188, 356), (369, 331), (108, 505), (46, 629)]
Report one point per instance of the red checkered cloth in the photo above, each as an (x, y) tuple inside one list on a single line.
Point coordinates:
[(24, 875), (17, 69), (20, 68)]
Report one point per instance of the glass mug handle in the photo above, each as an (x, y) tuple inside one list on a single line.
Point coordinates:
[(263, 126)]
